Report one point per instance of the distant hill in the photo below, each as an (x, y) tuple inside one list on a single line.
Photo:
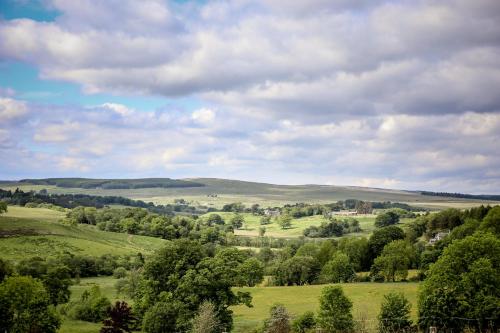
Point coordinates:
[(215, 192), (89, 183)]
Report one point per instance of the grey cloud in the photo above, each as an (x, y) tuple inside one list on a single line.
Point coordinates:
[(394, 57)]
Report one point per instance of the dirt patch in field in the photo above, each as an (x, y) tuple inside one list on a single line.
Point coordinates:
[(18, 233)]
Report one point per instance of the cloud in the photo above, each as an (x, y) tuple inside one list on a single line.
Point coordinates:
[(377, 93), (436, 152), (11, 109), (203, 116), (322, 59)]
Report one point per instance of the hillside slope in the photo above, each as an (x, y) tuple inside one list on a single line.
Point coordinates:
[(26, 232), (216, 192)]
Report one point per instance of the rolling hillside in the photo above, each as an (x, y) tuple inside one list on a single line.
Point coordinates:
[(214, 192), (26, 232)]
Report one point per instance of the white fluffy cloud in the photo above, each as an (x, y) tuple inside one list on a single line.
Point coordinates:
[(11, 109), (379, 93), (440, 152), (323, 58)]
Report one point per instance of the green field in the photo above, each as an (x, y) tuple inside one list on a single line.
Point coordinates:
[(366, 298), (252, 224), (27, 232)]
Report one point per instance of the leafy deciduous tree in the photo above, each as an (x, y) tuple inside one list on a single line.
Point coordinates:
[(338, 269), (335, 314), (25, 306), (463, 283), (394, 314)]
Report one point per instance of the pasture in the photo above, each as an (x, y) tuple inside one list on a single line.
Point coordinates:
[(252, 224), (366, 298), (27, 232)]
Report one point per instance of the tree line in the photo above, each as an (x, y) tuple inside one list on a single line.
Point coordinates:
[(21, 198)]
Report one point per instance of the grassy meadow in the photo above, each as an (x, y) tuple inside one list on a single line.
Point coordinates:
[(252, 224), (366, 298), (27, 232)]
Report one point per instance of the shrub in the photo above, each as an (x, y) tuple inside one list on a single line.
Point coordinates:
[(120, 273), (304, 323), (279, 320), (394, 314), (92, 306)]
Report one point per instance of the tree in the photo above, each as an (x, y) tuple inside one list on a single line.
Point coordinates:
[(394, 261), (120, 319), (57, 282), (326, 251), (206, 320), (180, 277), (394, 314), (381, 237), (445, 220), (308, 249), (25, 306), (251, 272), (237, 221), (279, 320), (491, 221), (297, 271), (285, 221), (215, 219), (357, 250), (262, 231), (363, 207), (265, 255), (265, 220), (161, 317), (3, 207), (304, 323), (335, 314), (463, 283), (338, 269), (386, 219)]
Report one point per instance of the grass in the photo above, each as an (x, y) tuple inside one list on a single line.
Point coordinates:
[(366, 298), (27, 232), (252, 225)]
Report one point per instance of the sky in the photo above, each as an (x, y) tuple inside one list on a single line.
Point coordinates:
[(391, 94)]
